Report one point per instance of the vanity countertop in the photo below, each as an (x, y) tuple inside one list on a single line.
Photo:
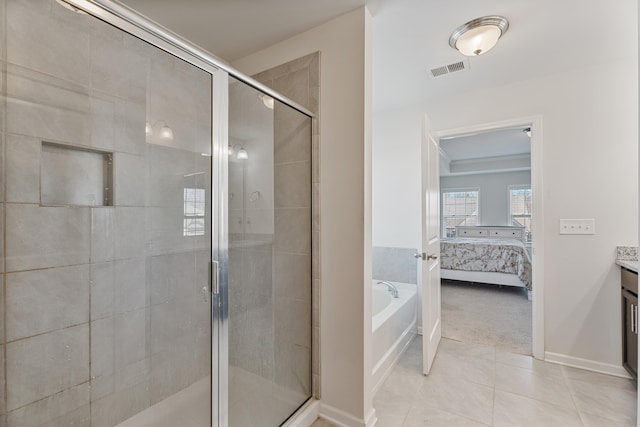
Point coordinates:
[(629, 265)]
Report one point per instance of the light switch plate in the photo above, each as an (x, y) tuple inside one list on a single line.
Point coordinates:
[(578, 226)]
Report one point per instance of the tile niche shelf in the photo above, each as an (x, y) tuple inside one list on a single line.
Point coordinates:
[(75, 176)]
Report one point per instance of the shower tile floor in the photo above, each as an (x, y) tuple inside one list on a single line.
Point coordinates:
[(476, 385)]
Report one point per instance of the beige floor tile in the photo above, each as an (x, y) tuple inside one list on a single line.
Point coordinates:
[(466, 350), (528, 383), (403, 382), (595, 421), (618, 403), (597, 378), (322, 423), (511, 410), (391, 409), (477, 370), (422, 414), (458, 396), (528, 362)]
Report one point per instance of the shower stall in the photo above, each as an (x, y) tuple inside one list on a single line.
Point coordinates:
[(155, 253)]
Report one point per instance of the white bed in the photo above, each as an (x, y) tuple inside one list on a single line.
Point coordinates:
[(493, 255)]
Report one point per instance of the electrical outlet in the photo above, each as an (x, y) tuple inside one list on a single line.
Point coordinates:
[(578, 226)]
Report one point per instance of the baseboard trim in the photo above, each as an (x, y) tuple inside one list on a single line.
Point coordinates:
[(306, 415), (372, 418), (382, 370), (586, 364), (344, 419)]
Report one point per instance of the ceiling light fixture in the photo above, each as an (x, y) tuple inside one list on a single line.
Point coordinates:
[(266, 100), (238, 152), (165, 131), (479, 35), (242, 154)]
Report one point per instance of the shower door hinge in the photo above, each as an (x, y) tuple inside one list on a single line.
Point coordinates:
[(213, 277)]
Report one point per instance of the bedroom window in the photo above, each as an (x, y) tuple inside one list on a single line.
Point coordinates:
[(520, 208), (459, 207)]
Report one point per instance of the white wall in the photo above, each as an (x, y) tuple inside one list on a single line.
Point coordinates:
[(590, 139), (494, 192), (345, 182), (397, 178)]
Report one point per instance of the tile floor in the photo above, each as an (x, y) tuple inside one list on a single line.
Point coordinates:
[(476, 385)]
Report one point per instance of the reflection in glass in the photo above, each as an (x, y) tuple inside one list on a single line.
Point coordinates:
[(269, 259)]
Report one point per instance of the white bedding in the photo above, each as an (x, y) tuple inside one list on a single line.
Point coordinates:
[(493, 255)]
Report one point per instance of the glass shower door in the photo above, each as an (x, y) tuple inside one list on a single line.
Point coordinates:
[(107, 205), (269, 266)]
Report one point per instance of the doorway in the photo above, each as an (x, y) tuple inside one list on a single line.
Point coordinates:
[(534, 124)]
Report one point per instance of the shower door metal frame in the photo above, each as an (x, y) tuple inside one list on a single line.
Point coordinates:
[(131, 22)]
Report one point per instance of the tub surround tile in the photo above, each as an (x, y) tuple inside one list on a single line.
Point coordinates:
[(46, 364), (64, 240), (394, 264), (45, 300)]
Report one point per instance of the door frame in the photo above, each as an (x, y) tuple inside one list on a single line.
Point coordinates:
[(537, 225)]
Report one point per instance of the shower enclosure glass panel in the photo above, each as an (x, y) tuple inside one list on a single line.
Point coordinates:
[(269, 286), (106, 160)]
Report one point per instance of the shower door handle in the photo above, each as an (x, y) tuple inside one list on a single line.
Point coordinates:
[(213, 277)]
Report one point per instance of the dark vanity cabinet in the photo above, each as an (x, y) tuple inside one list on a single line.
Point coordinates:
[(630, 321)]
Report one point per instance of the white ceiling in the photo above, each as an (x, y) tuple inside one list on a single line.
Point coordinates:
[(506, 142), (544, 37), (232, 29), (411, 36)]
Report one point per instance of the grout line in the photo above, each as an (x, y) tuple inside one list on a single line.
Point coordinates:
[(3, 262)]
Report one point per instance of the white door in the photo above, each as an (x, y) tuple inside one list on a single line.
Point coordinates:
[(431, 324)]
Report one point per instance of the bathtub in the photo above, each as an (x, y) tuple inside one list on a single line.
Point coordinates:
[(394, 324)]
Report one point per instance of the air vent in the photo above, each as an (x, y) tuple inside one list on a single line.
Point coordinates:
[(448, 69)]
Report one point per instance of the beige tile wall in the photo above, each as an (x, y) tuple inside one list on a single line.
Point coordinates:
[(297, 225), (102, 310)]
